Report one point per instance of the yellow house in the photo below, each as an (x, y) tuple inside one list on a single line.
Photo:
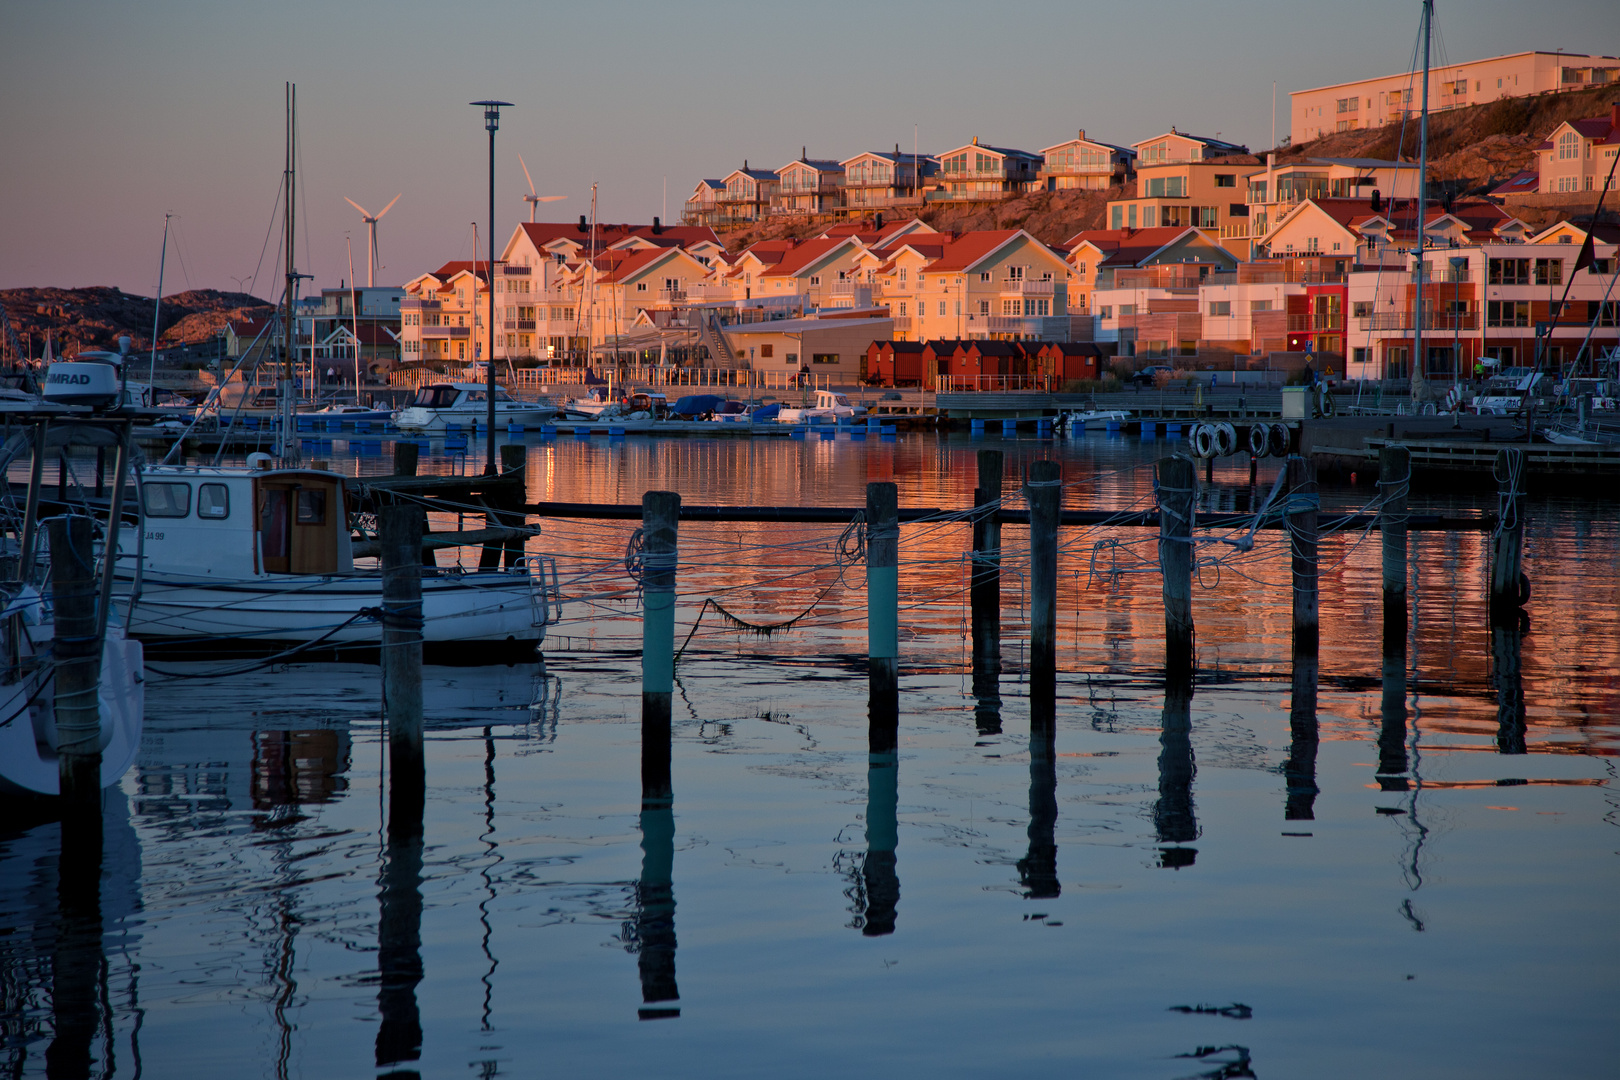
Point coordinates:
[(1086, 164), (1579, 155), (989, 285)]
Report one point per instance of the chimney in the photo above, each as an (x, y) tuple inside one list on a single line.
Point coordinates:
[(1081, 134), (1614, 116)]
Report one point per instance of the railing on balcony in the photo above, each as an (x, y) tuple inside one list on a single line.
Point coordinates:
[(508, 270), (946, 384), (525, 324), (420, 305), (1238, 231), (1025, 287), (876, 199), (1316, 320), (902, 322), (1432, 320), (444, 331)]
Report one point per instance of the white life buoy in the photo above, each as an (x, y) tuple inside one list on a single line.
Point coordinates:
[(1225, 439), (1259, 440), (1203, 441)]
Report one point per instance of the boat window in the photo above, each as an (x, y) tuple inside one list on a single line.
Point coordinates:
[(502, 395), (213, 501), (434, 397), (167, 500), (311, 507), (476, 395), (841, 399)]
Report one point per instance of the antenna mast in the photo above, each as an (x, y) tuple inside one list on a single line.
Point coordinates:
[(1420, 391)]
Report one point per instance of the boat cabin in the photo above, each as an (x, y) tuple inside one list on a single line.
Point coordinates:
[(223, 523), (448, 395)]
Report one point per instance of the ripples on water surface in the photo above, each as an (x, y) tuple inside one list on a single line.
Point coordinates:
[(1180, 888)]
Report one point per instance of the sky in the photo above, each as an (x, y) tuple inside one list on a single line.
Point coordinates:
[(114, 114)]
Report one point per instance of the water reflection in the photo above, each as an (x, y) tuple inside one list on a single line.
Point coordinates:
[(655, 914), (399, 944), (1299, 771), (1510, 720), (1037, 870), (1392, 729), (78, 964), (876, 889), (1174, 819), (987, 699)]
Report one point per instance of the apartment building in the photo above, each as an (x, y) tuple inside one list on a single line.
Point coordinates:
[(807, 186), (1393, 98), (876, 181), (1276, 189), (1095, 256), (1489, 300), (1355, 231), (979, 172), (1580, 155), (441, 316), (699, 208), (986, 285), (1146, 292), (747, 196), (1085, 164)]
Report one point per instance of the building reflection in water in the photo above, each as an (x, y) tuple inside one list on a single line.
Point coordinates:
[(1299, 771), (1174, 819), (1037, 870)]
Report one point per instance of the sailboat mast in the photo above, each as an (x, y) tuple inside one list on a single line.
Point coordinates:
[(157, 309), (1419, 387)]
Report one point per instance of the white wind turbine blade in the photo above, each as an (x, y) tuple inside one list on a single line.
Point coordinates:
[(526, 175), (358, 207), (390, 205), (549, 198)]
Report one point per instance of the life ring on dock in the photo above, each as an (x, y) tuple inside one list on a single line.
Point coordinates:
[(1203, 441), (1225, 439), (1281, 438), (1259, 440)]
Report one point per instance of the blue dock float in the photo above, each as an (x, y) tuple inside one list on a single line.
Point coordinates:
[(796, 433), (1172, 431), (828, 434), (514, 429), (334, 424), (548, 430), (890, 429), (1113, 427), (615, 432), (362, 427), (305, 423), (456, 442), (452, 430), (1150, 430), (1009, 427), (582, 433)]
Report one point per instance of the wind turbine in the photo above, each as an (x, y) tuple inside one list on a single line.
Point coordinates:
[(531, 198), (371, 227)]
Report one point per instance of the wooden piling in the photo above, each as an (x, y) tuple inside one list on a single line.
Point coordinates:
[(660, 515), (1044, 491), (1510, 589), (399, 535), (1304, 501), (985, 583), (1175, 483), (77, 660), (405, 458), (514, 471), (883, 616), (1394, 484)]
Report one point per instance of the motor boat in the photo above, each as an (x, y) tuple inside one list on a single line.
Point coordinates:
[(349, 414), (1073, 423), (439, 405), (263, 557), (828, 405), (28, 737)]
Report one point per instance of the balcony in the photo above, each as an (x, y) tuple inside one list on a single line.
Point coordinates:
[(508, 270), (1432, 320), (1315, 321), (902, 323), (452, 332), (1027, 288), (420, 305), (878, 198)]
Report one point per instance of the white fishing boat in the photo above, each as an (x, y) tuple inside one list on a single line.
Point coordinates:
[(829, 405), (350, 413), (28, 740), (439, 405), (262, 557), (1073, 423)]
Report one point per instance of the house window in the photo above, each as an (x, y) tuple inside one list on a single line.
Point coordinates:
[(1569, 146), (942, 307), (1131, 216), (1080, 271), (1257, 306), (1012, 307), (902, 309), (1226, 180), (1361, 309), (767, 351), (1220, 307), (1015, 273), (1609, 313), (1116, 217), (815, 279), (1204, 217), (824, 358), (641, 286), (902, 277), (984, 307), (1549, 271), (1127, 310), (1360, 355), (1507, 313), (1105, 312)]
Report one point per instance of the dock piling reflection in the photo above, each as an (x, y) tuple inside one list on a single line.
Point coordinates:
[(1299, 771), (1506, 643), (879, 869), (77, 960), (1037, 870), (1174, 818)]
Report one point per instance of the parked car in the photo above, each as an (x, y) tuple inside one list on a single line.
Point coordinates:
[(1148, 375)]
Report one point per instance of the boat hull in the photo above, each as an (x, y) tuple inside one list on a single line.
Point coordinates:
[(436, 420), (27, 768), (476, 610)]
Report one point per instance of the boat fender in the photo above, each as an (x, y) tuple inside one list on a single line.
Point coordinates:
[(1281, 439), (1225, 439), (1203, 441), (1259, 440)]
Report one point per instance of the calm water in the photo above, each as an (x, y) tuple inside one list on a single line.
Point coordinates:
[(1379, 870)]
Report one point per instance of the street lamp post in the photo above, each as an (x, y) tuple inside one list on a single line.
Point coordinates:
[(492, 122)]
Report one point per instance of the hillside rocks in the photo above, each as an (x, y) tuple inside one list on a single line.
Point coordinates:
[(95, 317)]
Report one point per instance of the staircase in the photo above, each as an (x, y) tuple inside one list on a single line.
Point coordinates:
[(709, 333)]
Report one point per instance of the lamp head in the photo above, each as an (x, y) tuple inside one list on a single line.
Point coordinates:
[(492, 113)]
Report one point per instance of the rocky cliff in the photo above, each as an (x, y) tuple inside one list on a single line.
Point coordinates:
[(95, 317)]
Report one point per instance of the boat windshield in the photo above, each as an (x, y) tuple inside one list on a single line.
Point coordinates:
[(434, 397), (841, 399)]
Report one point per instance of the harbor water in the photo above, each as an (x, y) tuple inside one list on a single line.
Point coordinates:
[(1331, 868)]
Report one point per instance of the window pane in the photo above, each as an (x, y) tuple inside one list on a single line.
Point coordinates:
[(311, 507), (167, 500), (213, 501)]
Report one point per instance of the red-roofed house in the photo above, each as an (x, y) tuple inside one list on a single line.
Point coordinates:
[(991, 284), (1579, 155), (980, 173)]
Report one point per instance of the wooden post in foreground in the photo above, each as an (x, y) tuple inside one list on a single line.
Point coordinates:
[(883, 616), (1394, 483), (405, 458), (660, 518), (1304, 501), (1175, 481), (1510, 589), (985, 583), (399, 535), (77, 655), (1044, 491)]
